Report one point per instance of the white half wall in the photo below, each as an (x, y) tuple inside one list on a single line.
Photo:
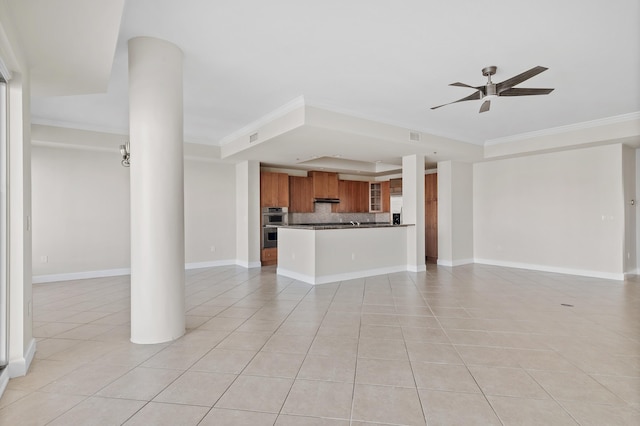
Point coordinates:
[(560, 212), (329, 255)]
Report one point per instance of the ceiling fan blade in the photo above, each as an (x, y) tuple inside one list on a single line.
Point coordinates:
[(471, 97), (458, 84), (518, 91), (485, 106), (508, 84)]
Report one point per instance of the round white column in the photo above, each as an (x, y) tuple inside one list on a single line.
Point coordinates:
[(157, 191)]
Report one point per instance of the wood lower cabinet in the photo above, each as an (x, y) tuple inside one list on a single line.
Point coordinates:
[(301, 194), (269, 256), (274, 189), (354, 197), (431, 216)]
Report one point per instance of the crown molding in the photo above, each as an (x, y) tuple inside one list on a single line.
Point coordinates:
[(565, 129), (78, 126)]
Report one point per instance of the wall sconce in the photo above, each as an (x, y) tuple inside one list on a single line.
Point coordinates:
[(124, 150)]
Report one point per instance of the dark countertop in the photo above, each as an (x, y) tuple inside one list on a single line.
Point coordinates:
[(342, 225)]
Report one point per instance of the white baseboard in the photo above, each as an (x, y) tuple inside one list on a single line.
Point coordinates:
[(554, 269), (38, 279), (416, 268), (4, 380), (248, 265), (21, 366), (210, 264), (458, 262), (325, 279)]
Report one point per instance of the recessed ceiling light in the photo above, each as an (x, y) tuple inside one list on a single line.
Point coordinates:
[(378, 161), (337, 155)]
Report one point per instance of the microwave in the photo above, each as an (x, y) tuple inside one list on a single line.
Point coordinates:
[(275, 216)]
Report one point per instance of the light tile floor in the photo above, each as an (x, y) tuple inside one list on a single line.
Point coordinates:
[(469, 345)]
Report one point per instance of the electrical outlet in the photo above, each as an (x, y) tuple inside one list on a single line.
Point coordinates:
[(213, 249), (44, 259)]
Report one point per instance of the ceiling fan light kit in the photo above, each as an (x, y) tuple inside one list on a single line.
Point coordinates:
[(492, 90)]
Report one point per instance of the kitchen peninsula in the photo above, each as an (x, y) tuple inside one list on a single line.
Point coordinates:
[(323, 253)]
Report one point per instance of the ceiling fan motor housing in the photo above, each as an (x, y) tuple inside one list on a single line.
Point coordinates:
[(489, 71)]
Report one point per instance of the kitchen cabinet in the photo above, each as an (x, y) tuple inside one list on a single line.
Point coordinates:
[(431, 216), (325, 184), (386, 196), (301, 194), (269, 256), (354, 197), (274, 189), (379, 197), (395, 186), (375, 197)]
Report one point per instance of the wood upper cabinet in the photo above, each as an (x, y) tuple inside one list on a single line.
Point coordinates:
[(354, 197), (431, 215), (395, 186), (274, 189), (325, 184), (379, 197), (386, 196), (301, 194)]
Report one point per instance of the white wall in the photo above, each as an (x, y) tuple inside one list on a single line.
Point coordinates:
[(81, 213), (210, 215), (413, 210), (21, 343), (629, 184), (455, 213), (248, 214), (559, 212), (637, 210)]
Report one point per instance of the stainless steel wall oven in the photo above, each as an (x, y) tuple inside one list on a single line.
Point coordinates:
[(271, 217)]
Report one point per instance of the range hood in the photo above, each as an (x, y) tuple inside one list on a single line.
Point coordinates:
[(326, 200)]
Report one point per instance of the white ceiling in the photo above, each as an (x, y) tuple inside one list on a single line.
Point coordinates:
[(387, 61)]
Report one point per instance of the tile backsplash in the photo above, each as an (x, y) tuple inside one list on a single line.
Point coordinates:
[(323, 214)]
